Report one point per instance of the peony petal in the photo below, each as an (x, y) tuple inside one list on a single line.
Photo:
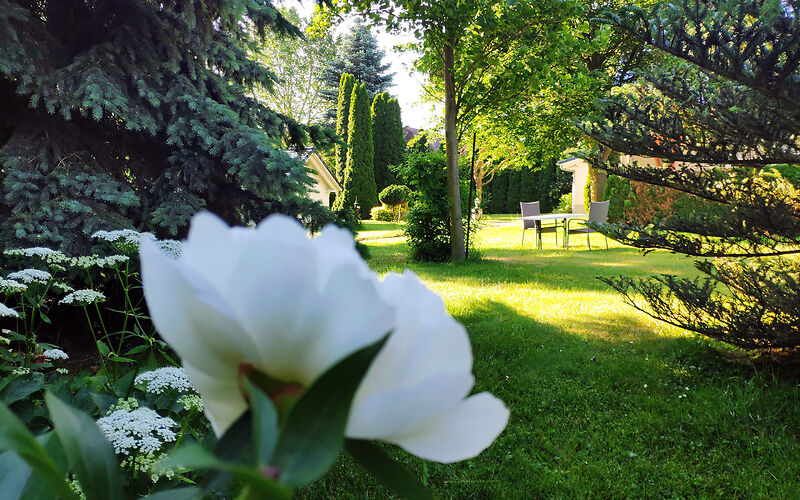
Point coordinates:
[(213, 249), (389, 414), (354, 316), (276, 299), (336, 247), (223, 402), (462, 434), (194, 320)]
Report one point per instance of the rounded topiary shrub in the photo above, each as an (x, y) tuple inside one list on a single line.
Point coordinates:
[(382, 214), (394, 195)]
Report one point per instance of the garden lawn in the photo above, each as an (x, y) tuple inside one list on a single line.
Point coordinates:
[(604, 401)]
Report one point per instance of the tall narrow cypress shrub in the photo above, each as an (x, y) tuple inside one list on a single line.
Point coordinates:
[(346, 83), (387, 128), (359, 177)]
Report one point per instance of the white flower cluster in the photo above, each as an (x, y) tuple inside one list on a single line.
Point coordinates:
[(191, 402), (7, 312), (62, 287), (55, 354), (112, 260), (160, 379), (119, 235), (29, 276), (29, 252), (62, 371), (12, 286), (21, 371), (123, 404), (170, 247), (142, 430), (82, 297)]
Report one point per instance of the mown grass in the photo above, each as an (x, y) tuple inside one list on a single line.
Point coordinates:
[(605, 402)]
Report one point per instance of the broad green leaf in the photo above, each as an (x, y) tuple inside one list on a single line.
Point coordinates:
[(265, 423), (313, 433), (18, 481), (22, 387), (194, 456), (137, 349), (15, 437), (120, 359), (89, 453), (389, 472), (103, 348)]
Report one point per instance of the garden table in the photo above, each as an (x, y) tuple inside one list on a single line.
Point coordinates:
[(539, 218)]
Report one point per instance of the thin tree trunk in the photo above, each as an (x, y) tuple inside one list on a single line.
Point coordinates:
[(451, 147)]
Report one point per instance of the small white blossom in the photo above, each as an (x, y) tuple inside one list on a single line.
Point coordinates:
[(12, 286), (62, 371), (142, 430), (169, 377), (20, 371), (29, 276), (82, 297), (7, 312), (191, 402), (55, 354), (85, 261)]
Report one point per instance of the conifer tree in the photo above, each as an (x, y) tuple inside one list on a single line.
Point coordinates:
[(387, 136), (346, 83), (359, 177), (140, 114), (358, 54), (718, 117)]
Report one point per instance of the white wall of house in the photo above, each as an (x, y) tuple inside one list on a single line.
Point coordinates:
[(580, 175), (324, 182)]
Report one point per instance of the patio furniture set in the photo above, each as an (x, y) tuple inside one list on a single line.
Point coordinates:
[(532, 218)]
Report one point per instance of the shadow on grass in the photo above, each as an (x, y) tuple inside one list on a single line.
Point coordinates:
[(601, 417)]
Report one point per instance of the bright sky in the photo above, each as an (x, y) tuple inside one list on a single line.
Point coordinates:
[(407, 83)]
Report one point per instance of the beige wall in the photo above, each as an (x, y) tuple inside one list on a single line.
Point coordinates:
[(323, 184)]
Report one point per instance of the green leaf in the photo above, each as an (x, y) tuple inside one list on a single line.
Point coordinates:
[(194, 456), (18, 481), (314, 430), (120, 359), (103, 348), (389, 472), (15, 437), (265, 423), (186, 493), (137, 349), (22, 387), (89, 453)]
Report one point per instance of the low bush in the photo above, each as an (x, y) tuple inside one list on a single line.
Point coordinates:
[(394, 195), (384, 214)]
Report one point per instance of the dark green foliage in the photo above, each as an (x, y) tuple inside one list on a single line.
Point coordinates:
[(427, 226), (732, 101), (420, 143), (543, 182), (394, 195), (427, 220), (139, 114), (387, 136), (342, 120), (359, 179), (358, 54), (617, 191)]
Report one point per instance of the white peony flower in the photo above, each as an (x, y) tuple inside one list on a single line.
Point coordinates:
[(7, 312), (55, 354), (142, 430), (292, 306), (161, 379), (414, 392)]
